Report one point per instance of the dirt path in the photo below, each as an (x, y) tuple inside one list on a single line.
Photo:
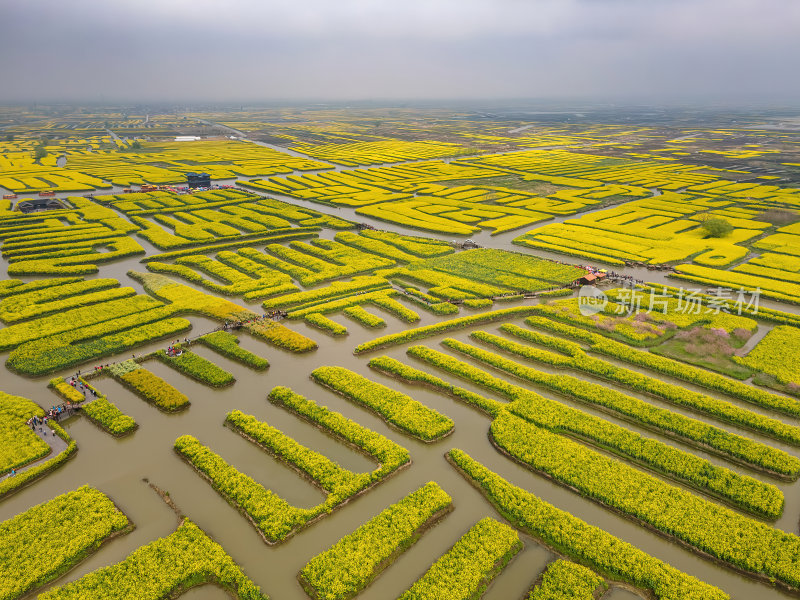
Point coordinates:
[(57, 445)]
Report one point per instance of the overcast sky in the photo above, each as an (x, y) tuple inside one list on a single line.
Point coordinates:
[(250, 50)]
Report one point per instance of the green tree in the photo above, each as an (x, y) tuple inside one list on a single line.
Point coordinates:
[(716, 227), (39, 152), (136, 145)]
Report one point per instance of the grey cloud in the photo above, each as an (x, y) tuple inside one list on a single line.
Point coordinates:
[(132, 50)]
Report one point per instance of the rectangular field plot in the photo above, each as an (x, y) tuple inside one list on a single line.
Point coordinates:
[(49, 539)]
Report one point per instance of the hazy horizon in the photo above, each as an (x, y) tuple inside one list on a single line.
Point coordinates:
[(665, 52)]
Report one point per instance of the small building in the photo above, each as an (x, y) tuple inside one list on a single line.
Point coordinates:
[(198, 180), (591, 278), (38, 204)]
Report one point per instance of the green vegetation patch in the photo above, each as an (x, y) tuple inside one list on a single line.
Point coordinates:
[(712, 349), (453, 324), (777, 355), (353, 562), (673, 368), (19, 445), (273, 517), (397, 408), (394, 307), (336, 290), (47, 540), (511, 270), (402, 371), (58, 352), (66, 391), (227, 344), (367, 319), (82, 319), (327, 325), (466, 570), (716, 530), (151, 388), (102, 412), (565, 580), (280, 336), (10, 485), (57, 298), (13, 287), (744, 491), (580, 541), (164, 569), (197, 367), (631, 407), (476, 303)]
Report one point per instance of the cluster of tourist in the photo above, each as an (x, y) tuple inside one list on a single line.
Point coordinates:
[(173, 351), (76, 382), (41, 422), (54, 413), (622, 277)]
